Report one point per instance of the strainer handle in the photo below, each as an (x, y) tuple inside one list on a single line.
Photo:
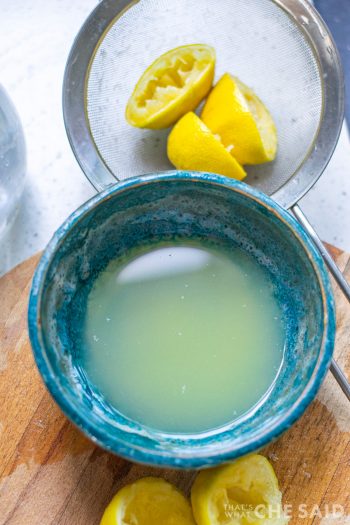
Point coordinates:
[(333, 268), (339, 278)]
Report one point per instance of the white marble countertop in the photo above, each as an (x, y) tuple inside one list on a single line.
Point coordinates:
[(35, 39)]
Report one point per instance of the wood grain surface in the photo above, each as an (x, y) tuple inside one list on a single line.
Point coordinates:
[(50, 474)]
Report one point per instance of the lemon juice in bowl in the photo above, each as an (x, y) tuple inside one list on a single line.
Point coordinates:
[(183, 338)]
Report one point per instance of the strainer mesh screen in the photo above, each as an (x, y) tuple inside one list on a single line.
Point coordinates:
[(254, 40)]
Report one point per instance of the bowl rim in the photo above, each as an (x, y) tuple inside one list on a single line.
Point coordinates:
[(172, 456)]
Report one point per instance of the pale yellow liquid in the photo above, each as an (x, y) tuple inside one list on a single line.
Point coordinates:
[(183, 339)]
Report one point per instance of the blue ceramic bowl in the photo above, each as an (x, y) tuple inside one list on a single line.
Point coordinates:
[(169, 206)]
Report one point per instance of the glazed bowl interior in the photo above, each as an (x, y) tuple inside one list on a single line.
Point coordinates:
[(172, 207)]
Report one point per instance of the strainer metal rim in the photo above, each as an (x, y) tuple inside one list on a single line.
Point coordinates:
[(314, 29)]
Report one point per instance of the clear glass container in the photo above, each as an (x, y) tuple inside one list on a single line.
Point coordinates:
[(12, 161)]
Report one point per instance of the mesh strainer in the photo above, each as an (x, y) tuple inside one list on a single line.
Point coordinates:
[(280, 48)]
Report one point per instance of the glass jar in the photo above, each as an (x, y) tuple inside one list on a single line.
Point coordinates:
[(12, 161)]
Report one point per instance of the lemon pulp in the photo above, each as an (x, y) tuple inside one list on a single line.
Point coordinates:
[(240, 119), (192, 146), (173, 85), (148, 501), (244, 492)]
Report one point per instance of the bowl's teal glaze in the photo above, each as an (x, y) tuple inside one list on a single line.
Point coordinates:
[(167, 206)]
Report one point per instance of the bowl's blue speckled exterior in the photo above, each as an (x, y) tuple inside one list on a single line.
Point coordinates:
[(174, 206)]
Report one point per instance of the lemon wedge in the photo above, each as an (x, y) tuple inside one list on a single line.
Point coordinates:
[(241, 493), (192, 146), (244, 125), (148, 501), (174, 84)]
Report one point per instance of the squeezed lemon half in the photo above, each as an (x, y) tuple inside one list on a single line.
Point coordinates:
[(241, 493), (240, 119), (174, 84), (148, 501), (192, 146)]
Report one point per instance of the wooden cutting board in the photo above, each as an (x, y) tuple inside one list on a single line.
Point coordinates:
[(50, 474)]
